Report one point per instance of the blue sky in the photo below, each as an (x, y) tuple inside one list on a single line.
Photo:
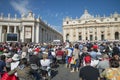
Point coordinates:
[(53, 11)]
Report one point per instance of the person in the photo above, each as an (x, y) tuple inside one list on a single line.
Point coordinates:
[(24, 51), (24, 71), (34, 59), (59, 55), (45, 64), (2, 65), (76, 52), (116, 57), (68, 53), (93, 53), (35, 64), (115, 50), (15, 62), (112, 73), (89, 72), (103, 63), (82, 55), (8, 61)]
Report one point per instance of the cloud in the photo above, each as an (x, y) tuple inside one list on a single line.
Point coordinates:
[(20, 5)]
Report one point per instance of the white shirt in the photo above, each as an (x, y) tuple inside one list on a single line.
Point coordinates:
[(14, 65), (69, 52), (45, 62)]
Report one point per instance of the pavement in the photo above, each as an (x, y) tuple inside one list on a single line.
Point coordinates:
[(63, 73)]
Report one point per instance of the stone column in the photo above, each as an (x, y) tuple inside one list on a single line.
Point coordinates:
[(45, 36), (8, 29), (105, 33), (119, 35), (40, 34), (1, 33), (93, 34), (83, 34), (71, 35), (77, 34), (15, 29), (51, 36), (88, 34), (23, 34), (112, 33), (64, 35), (33, 33), (37, 34), (98, 34), (42, 30)]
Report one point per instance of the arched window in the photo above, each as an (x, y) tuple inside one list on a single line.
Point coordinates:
[(67, 37), (116, 35), (80, 37), (95, 37), (91, 37), (102, 37)]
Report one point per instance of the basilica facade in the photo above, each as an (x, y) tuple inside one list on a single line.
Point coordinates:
[(27, 28), (92, 28)]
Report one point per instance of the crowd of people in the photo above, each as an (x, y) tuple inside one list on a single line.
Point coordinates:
[(93, 60)]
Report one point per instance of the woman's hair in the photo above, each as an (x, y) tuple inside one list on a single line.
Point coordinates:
[(2, 57), (45, 56), (76, 46), (114, 63)]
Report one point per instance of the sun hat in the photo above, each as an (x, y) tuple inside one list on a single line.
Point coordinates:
[(16, 57)]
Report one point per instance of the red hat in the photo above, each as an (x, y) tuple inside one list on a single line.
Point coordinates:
[(87, 59)]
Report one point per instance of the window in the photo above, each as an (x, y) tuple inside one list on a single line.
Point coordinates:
[(79, 21), (86, 38), (67, 37), (95, 32), (67, 22), (116, 35), (91, 37), (95, 37), (102, 37), (115, 19), (80, 37)]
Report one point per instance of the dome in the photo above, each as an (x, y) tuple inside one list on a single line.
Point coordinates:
[(86, 15)]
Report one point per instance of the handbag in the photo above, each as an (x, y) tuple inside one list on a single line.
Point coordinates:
[(69, 59), (73, 61)]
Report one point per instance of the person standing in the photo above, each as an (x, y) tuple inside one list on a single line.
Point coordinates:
[(24, 51), (104, 63), (89, 72), (112, 73), (76, 52), (2, 65)]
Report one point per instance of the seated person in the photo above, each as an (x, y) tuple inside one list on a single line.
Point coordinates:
[(45, 64)]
